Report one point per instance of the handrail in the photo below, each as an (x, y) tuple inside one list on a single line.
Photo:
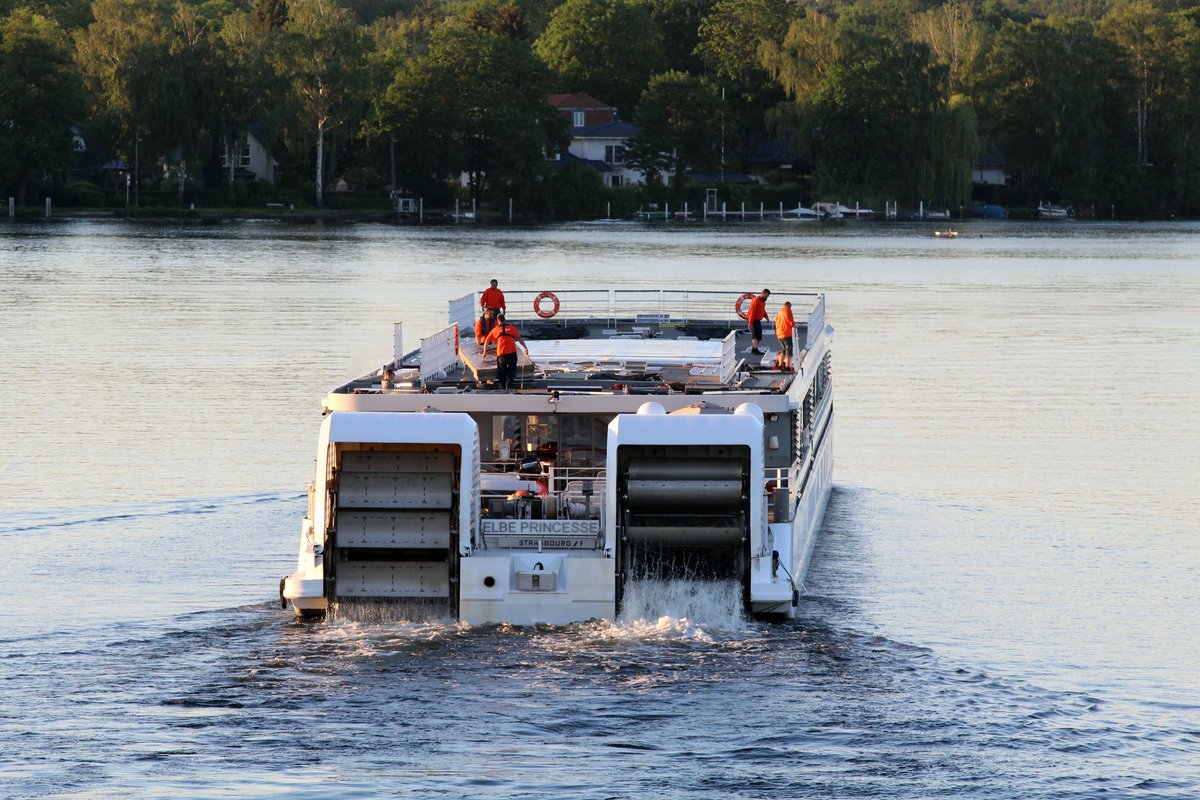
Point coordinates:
[(679, 306)]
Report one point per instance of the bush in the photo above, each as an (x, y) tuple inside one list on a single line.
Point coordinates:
[(358, 201), (81, 194)]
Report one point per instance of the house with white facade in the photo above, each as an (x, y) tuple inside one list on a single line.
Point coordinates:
[(253, 158), (598, 137)]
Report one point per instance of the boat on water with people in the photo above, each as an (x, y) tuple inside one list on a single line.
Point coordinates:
[(639, 439)]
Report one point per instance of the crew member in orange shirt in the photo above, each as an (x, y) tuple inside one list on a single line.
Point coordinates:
[(785, 323), (754, 318), (483, 326), (506, 338), (493, 298)]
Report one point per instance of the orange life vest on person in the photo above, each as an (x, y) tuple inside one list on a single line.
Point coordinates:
[(505, 337)]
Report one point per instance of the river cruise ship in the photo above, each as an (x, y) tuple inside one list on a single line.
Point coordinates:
[(642, 441)]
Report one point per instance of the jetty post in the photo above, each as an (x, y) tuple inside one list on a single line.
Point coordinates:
[(12, 208), (47, 208)]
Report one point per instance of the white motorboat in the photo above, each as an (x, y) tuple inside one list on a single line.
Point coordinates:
[(643, 442), (839, 211), (1050, 211), (801, 213)]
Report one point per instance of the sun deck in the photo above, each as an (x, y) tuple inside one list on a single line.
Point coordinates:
[(611, 342)]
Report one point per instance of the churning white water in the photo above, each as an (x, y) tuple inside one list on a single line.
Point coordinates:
[(716, 604)]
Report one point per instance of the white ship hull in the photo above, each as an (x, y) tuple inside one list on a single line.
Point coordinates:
[(543, 505)]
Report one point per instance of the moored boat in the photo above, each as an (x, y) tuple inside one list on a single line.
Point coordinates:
[(1050, 211), (839, 211), (802, 214), (642, 443)]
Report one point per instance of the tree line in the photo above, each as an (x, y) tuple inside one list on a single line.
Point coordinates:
[(1090, 102)]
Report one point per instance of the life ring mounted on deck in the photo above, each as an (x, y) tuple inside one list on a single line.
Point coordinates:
[(537, 305), (742, 312)]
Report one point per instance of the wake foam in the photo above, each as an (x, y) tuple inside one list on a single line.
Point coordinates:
[(717, 604)]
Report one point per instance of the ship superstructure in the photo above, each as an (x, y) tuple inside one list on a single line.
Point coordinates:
[(643, 441)]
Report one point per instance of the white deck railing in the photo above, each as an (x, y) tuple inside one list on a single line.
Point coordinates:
[(678, 306), (439, 354)]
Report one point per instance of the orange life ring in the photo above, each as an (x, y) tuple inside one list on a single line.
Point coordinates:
[(744, 314), (537, 305)]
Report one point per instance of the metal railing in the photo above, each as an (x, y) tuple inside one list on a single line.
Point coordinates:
[(439, 354), (679, 306)]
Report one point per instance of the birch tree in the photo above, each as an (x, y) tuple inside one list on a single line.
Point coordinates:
[(321, 57)]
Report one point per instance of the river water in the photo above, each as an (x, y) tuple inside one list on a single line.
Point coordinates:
[(1003, 603)]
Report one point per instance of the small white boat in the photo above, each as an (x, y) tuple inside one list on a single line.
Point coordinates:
[(946, 234), (1050, 211), (839, 211), (801, 213)]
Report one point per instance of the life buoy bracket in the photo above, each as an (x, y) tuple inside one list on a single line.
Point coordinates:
[(545, 313), (742, 312)]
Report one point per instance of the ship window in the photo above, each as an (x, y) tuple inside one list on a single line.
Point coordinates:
[(541, 438), (508, 436), (583, 440)]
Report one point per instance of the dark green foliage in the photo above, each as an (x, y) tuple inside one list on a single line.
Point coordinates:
[(675, 116), (268, 14), (40, 95), (605, 48), (474, 104), (1094, 103), (80, 194)]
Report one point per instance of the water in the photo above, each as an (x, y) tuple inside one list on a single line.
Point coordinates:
[(1003, 603)]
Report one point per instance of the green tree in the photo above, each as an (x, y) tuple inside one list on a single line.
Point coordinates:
[(730, 35), (679, 21), (474, 104), (269, 14), (956, 39), (606, 48), (253, 92), (321, 56), (810, 49), (153, 66), (40, 94), (675, 116), (1150, 63), (870, 113), (1041, 103)]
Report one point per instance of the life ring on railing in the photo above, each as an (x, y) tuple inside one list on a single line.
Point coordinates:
[(537, 305), (744, 313)]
